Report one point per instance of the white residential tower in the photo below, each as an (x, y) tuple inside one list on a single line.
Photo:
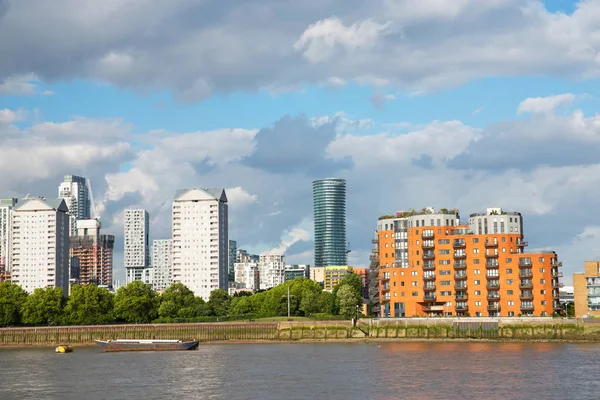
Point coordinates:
[(162, 264), (137, 250)]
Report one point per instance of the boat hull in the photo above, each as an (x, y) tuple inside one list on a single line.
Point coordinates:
[(114, 346)]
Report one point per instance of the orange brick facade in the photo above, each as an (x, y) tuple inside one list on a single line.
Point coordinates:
[(453, 272)]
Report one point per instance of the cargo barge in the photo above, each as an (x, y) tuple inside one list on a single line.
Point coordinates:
[(146, 345)]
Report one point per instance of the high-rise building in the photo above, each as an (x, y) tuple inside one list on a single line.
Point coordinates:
[(200, 240), (232, 257), (242, 256), (93, 253), (74, 190), (137, 249), (587, 291), (428, 263), (162, 264), (297, 271), (272, 270), (6, 206), (40, 244), (247, 275), (329, 200)]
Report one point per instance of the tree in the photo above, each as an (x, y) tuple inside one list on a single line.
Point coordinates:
[(136, 303), (241, 306), (12, 297), (326, 302), (347, 300), (89, 304), (177, 301), (352, 280), (219, 302), (44, 306)]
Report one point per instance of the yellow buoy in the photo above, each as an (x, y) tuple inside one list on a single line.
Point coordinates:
[(63, 348)]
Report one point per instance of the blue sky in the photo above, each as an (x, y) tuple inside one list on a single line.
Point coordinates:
[(468, 104)]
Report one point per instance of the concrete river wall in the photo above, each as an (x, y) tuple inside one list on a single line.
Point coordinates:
[(397, 329)]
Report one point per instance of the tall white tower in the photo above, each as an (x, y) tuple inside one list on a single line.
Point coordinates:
[(200, 240), (40, 244), (137, 250), (162, 264), (75, 191), (6, 206)]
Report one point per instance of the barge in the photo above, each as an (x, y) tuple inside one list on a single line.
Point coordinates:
[(146, 345)]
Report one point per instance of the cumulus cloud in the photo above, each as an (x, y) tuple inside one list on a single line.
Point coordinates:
[(544, 105), (9, 116), (220, 47)]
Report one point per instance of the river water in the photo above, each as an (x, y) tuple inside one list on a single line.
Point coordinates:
[(409, 370)]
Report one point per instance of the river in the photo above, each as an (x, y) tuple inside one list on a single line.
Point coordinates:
[(409, 370)]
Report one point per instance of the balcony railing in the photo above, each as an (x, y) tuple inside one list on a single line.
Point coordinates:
[(429, 288), (491, 244), (492, 265), (460, 255), (428, 266), (428, 245), (462, 307), (428, 256), (526, 307), (427, 234), (492, 285), (460, 286), (493, 297), (526, 273), (555, 284), (429, 297), (460, 265), (460, 276), (375, 241), (491, 255), (524, 263), (526, 285), (526, 297), (493, 307), (459, 244), (429, 278), (462, 297), (385, 278), (374, 257), (556, 274)]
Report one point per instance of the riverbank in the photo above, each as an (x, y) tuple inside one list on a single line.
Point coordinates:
[(419, 329)]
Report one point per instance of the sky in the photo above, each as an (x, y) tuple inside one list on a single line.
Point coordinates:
[(462, 104)]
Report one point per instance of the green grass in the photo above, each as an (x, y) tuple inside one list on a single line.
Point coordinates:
[(284, 319)]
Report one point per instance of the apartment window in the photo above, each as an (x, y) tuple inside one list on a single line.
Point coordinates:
[(503, 237), (475, 251), (444, 283), (476, 261), (439, 231), (415, 294), (542, 259), (394, 283), (542, 270), (508, 270), (417, 231), (418, 262), (394, 294), (477, 282), (444, 262), (543, 302), (477, 303), (394, 273), (445, 272), (443, 241), (414, 273), (542, 281), (445, 293), (402, 294), (417, 242), (508, 260), (401, 283), (477, 272), (478, 293), (415, 283), (417, 252), (509, 292), (542, 291), (402, 273), (504, 249), (509, 281), (475, 240), (511, 313), (511, 303), (445, 251)]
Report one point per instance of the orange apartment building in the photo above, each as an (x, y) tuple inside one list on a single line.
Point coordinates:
[(586, 287), (429, 264)]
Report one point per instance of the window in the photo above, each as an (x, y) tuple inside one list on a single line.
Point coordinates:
[(542, 291), (415, 283), (417, 231), (477, 303), (542, 281), (543, 302), (476, 261), (509, 292), (503, 238), (477, 271), (508, 260), (446, 251), (445, 272), (445, 293), (511, 303), (443, 241), (504, 249), (444, 262), (418, 252), (394, 273), (415, 294), (475, 251), (402, 294), (401, 283), (509, 270), (542, 259), (478, 293), (477, 282), (475, 240), (394, 294), (444, 283), (414, 273), (542, 270), (509, 281)]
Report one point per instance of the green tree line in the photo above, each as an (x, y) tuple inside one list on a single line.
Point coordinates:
[(138, 303)]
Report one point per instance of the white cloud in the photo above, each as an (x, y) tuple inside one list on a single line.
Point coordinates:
[(48, 93), (545, 105), (239, 198), (18, 85), (8, 116)]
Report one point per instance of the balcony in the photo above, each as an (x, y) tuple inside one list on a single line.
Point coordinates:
[(460, 276), (556, 274), (493, 285), (429, 255), (461, 297), (491, 255), (526, 296), (524, 263), (429, 297), (526, 285), (460, 286), (375, 251), (527, 307), (462, 308), (492, 264), (555, 284), (375, 241), (491, 244), (385, 278), (374, 257), (493, 296), (460, 256), (428, 245), (429, 278), (555, 294), (557, 306), (429, 288), (522, 243), (526, 273), (493, 307), (459, 244), (428, 266), (433, 308), (427, 234), (460, 265)]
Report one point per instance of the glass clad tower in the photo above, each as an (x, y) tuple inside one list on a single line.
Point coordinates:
[(329, 200)]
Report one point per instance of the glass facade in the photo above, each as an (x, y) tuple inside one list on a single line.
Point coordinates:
[(329, 199)]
